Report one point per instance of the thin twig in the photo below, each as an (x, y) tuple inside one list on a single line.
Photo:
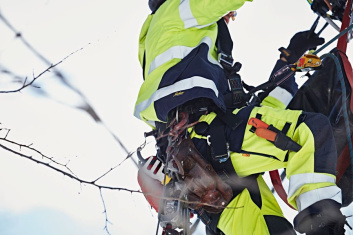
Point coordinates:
[(111, 169), (105, 212)]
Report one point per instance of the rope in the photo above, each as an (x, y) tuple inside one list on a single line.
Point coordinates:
[(333, 39)]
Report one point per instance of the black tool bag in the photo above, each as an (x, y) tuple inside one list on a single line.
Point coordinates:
[(322, 93)]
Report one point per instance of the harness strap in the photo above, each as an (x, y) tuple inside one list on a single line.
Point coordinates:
[(224, 43), (229, 118), (349, 73), (342, 41), (342, 47), (278, 186), (343, 160), (217, 141)]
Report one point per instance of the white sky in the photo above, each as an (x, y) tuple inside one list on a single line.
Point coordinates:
[(37, 200)]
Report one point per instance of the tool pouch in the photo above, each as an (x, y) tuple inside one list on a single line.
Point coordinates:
[(205, 187)]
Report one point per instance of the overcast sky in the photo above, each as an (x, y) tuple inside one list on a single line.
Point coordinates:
[(104, 36)]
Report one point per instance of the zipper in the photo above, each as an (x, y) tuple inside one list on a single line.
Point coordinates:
[(259, 154)]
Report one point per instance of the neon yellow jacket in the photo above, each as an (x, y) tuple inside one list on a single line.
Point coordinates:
[(178, 53)]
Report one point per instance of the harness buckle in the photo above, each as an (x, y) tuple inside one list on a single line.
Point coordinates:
[(225, 58), (221, 158)]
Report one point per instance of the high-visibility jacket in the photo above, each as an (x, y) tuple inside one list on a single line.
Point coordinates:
[(178, 53)]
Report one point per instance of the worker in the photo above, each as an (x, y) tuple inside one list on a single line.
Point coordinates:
[(185, 69)]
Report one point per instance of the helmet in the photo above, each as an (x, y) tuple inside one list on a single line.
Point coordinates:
[(155, 4)]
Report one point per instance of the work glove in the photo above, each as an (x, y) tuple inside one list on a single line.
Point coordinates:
[(320, 7), (322, 218), (299, 44)]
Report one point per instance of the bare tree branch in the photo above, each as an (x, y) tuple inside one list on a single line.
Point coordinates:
[(70, 175)]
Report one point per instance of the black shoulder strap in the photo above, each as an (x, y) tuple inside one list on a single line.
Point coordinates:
[(217, 141), (229, 118), (224, 42)]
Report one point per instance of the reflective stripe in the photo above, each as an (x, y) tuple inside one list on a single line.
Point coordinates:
[(282, 95), (187, 17), (186, 14), (184, 84), (180, 52), (297, 181), (152, 123), (307, 199)]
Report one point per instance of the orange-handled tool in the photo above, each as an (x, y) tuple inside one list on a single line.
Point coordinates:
[(272, 134), (266, 134), (257, 123)]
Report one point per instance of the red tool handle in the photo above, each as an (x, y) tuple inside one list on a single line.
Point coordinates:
[(257, 123)]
